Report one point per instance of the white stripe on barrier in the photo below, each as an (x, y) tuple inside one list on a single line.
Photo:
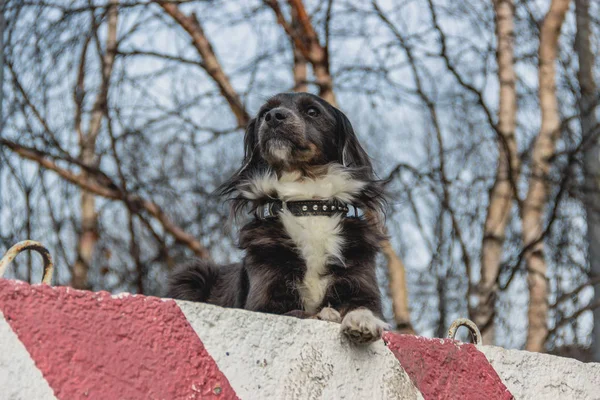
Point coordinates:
[(20, 379), (267, 356), (544, 377)]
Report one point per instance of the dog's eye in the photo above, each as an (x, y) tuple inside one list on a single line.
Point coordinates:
[(312, 112)]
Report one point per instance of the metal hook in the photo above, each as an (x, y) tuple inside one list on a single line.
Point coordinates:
[(29, 245), (470, 325)]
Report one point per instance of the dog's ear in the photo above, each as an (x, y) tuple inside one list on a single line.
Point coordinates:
[(250, 147), (352, 155), (350, 152), (251, 164)]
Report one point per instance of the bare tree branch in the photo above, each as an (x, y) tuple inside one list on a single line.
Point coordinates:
[(432, 109), (210, 63), (112, 192)]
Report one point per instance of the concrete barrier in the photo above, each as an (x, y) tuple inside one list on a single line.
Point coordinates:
[(57, 342)]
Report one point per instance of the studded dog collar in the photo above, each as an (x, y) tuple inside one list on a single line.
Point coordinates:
[(306, 208)]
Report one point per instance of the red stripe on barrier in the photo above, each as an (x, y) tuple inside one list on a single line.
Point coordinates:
[(95, 346), (446, 369)]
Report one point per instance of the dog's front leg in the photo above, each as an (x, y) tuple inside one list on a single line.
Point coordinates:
[(357, 307), (361, 326), (271, 293)]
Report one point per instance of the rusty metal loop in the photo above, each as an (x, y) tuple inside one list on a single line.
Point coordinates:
[(470, 325), (29, 245)]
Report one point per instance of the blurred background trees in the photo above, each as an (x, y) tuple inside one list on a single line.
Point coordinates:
[(120, 117)]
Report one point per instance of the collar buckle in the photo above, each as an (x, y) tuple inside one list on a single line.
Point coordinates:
[(356, 212), (266, 211)]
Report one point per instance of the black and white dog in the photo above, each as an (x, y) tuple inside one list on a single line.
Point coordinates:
[(310, 248)]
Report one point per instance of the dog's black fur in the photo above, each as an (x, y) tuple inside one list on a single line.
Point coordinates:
[(315, 135)]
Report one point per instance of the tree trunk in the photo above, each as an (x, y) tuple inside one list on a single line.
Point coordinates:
[(87, 145), (442, 327), (316, 53), (537, 194), (398, 289), (87, 240), (300, 72), (307, 42), (501, 193), (2, 24), (300, 63), (591, 158)]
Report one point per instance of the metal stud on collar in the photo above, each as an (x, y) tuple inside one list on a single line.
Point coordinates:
[(315, 207), (304, 208)]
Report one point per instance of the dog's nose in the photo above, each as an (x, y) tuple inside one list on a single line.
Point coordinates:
[(276, 116)]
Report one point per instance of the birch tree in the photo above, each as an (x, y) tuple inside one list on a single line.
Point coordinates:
[(588, 105), (504, 189), (88, 234), (537, 194)]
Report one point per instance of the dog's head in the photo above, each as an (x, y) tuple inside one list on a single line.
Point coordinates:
[(299, 132)]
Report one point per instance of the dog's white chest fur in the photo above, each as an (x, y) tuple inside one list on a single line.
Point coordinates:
[(318, 238)]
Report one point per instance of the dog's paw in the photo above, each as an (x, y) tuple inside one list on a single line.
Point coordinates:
[(362, 327), (329, 314)]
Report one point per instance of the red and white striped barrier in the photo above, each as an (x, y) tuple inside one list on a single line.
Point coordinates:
[(58, 342)]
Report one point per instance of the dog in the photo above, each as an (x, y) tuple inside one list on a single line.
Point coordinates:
[(310, 247)]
